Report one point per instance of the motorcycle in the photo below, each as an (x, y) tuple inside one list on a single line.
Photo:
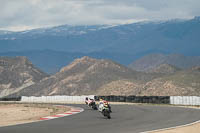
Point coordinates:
[(106, 111), (91, 103)]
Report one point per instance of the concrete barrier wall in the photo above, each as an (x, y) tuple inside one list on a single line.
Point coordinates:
[(52, 99), (185, 100)]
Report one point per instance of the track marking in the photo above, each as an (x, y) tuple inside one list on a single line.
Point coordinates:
[(68, 113)]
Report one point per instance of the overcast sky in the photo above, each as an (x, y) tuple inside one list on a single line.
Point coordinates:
[(27, 14)]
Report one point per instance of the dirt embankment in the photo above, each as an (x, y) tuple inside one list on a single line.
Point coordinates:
[(12, 114)]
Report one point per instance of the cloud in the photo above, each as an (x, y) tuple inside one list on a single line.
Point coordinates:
[(42, 13)]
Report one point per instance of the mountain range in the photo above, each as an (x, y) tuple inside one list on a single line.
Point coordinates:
[(84, 76), (121, 43), (145, 58), (104, 77), (51, 61), (172, 36)]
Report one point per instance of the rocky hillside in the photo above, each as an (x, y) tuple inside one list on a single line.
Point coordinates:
[(164, 68), (86, 76), (154, 60), (104, 77), (16, 74), (121, 87), (186, 82)]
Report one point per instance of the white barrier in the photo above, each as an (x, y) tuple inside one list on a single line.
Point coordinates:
[(175, 100), (185, 100), (52, 99)]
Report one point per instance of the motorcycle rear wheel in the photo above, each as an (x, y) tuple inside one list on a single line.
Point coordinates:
[(108, 116)]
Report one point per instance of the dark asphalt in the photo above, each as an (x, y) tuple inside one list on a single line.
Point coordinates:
[(125, 119)]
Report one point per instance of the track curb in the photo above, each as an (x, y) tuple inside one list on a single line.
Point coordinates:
[(73, 111)]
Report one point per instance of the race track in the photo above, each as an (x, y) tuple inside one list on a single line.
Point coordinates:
[(125, 119)]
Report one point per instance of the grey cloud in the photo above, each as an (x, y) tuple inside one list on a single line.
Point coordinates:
[(40, 13)]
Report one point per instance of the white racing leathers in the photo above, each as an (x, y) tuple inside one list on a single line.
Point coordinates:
[(101, 105)]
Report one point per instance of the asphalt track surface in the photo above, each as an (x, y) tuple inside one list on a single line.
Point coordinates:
[(125, 119)]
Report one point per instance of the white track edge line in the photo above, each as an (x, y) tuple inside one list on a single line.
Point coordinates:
[(49, 117), (172, 127)]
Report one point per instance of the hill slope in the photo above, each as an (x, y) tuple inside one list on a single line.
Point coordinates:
[(51, 61), (104, 77), (85, 76), (183, 83), (164, 68), (16, 74), (154, 60)]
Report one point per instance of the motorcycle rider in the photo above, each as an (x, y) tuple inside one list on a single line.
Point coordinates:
[(103, 103), (106, 103), (89, 101)]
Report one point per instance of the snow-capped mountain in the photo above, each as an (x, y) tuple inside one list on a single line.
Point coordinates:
[(121, 41), (63, 30)]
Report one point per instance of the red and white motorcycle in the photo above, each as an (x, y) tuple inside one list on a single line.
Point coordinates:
[(91, 103)]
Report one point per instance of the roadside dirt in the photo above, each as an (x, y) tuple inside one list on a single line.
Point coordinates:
[(188, 129), (12, 114)]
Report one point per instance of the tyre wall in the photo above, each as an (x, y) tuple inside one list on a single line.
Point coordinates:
[(136, 99)]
